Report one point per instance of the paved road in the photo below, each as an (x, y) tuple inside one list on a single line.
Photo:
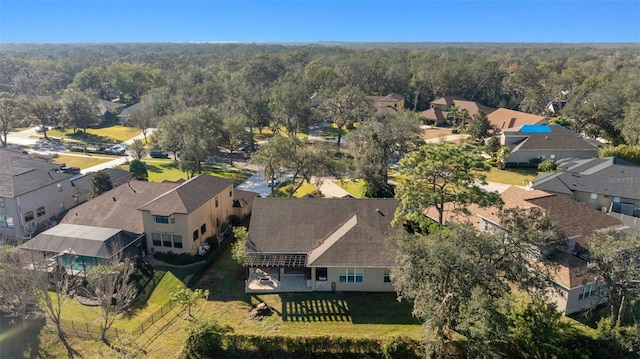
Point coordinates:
[(23, 138)]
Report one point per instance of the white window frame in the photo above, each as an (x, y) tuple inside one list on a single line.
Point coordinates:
[(351, 275)]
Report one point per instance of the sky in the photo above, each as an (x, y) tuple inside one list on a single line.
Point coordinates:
[(92, 21)]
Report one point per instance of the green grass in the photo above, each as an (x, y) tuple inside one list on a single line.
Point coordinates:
[(354, 187), (514, 176), (113, 134), (332, 131), (435, 133), (84, 161), (305, 189), (167, 170)]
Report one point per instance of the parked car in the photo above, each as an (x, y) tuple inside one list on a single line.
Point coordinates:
[(158, 154), (117, 150)]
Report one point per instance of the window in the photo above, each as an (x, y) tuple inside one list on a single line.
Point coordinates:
[(155, 239), (195, 235), (61, 206), (166, 240), (177, 241), (589, 290), (9, 222), (3, 222), (594, 198), (203, 229), (321, 274), (387, 276), (1, 202), (216, 199), (230, 193), (59, 185), (28, 216), (351, 275), (165, 219), (75, 199), (40, 211)]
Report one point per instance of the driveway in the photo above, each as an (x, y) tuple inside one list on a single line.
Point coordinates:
[(23, 138)]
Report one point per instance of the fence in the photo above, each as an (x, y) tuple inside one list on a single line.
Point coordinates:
[(85, 329)]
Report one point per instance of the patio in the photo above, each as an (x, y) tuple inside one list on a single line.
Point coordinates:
[(269, 280)]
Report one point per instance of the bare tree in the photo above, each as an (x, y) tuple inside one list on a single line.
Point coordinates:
[(112, 286), (18, 293), (137, 147), (143, 119)]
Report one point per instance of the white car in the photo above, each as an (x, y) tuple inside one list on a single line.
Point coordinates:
[(117, 150)]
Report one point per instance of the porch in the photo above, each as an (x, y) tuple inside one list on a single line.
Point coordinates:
[(278, 280)]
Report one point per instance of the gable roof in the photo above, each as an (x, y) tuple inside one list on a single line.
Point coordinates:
[(21, 173), (331, 231), (548, 137), (434, 114), (608, 176), (504, 118), (133, 108), (393, 97), (447, 100), (471, 107), (188, 196), (118, 208), (118, 177), (104, 106)]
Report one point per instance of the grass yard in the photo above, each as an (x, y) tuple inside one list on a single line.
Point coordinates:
[(435, 132), (514, 176), (82, 161), (354, 187), (113, 134), (166, 169), (332, 130), (305, 189)]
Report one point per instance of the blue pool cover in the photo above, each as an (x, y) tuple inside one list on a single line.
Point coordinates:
[(535, 129)]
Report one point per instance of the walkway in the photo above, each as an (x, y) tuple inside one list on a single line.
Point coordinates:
[(329, 188)]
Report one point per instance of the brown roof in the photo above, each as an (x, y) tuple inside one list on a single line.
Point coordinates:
[(434, 114), (188, 196), (330, 231), (392, 97), (473, 107), (447, 100), (504, 118), (570, 271), (118, 208)]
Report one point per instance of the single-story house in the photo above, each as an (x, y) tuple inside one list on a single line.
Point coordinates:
[(532, 144), (329, 244), (439, 109), (576, 285), (505, 119)]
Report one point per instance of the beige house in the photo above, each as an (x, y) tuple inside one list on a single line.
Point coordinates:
[(393, 101), (439, 109), (577, 286), (313, 244)]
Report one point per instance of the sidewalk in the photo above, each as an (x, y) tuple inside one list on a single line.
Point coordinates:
[(329, 188)]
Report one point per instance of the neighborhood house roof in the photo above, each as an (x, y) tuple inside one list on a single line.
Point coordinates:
[(558, 138), (118, 208), (20, 173), (504, 118), (118, 177), (326, 232), (79, 240), (189, 196), (608, 176)]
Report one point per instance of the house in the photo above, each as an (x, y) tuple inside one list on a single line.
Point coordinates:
[(505, 119), (311, 244), (316, 100), (33, 193), (105, 109), (125, 115), (576, 285), (439, 109), (82, 185), (608, 184), (393, 101), (532, 144)]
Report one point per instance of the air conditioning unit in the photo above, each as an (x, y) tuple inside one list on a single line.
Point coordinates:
[(604, 209)]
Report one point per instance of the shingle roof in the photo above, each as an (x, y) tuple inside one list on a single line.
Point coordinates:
[(20, 173), (133, 108), (608, 176), (353, 230), (560, 138), (118, 208), (470, 106), (434, 114), (118, 177), (188, 196), (392, 97), (104, 106), (503, 118), (79, 240), (447, 100)]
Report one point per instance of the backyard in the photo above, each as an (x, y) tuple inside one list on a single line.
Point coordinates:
[(513, 176), (112, 134), (168, 170), (82, 161)]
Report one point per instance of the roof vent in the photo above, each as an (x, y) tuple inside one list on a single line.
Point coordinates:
[(379, 212), (114, 199)]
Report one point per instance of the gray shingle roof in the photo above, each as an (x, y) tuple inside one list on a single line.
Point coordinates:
[(188, 196), (118, 177), (560, 138), (356, 228), (20, 173), (608, 176)]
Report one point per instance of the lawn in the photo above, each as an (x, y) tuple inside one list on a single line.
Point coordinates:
[(435, 132), (354, 187), (332, 131), (113, 134), (305, 189), (167, 170), (83, 161), (514, 176)]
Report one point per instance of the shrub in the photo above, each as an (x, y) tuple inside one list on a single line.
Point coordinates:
[(176, 259), (547, 166)]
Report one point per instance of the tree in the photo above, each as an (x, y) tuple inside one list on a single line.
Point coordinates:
[(626, 152), (631, 125), (270, 158), (139, 170), (43, 112), (187, 299), (239, 247), (112, 286), (235, 134), (537, 330), (438, 173), (459, 279), (479, 126), (502, 156), (78, 110), (345, 107), (10, 110), (548, 165), (290, 105), (19, 295), (100, 183), (138, 148), (614, 259), (379, 141), (143, 119)]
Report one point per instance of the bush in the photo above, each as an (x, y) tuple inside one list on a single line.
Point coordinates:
[(547, 166), (177, 259)]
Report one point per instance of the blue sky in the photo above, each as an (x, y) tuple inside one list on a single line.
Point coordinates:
[(568, 21)]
